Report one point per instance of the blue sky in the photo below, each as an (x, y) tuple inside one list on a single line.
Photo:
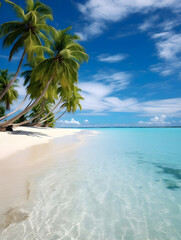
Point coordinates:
[(133, 77)]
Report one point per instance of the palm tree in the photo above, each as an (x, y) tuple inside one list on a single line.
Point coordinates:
[(36, 113), (71, 104), (11, 94), (60, 70), (26, 33), (11, 113)]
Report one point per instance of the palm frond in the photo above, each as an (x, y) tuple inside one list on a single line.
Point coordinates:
[(12, 36), (18, 10), (7, 27)]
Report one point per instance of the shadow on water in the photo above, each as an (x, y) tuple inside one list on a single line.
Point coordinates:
[(175, 173), (171, 184)]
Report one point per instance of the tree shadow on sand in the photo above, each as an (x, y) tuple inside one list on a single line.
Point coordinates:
[(29, 133)]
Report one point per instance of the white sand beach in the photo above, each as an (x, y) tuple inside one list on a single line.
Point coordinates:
[(24, 153), (25, 137)]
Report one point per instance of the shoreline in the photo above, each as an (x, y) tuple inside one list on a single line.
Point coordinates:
[(26, 154), (24, 137)]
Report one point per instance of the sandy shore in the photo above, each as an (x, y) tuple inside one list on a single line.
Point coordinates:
[(25, 137), (26, 153)]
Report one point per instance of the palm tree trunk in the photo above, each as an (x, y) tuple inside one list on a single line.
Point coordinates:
[(7, 105), (61, 115), (51, 111), (27, 121), (46, 119), (14, 78), (29, 104), (40, 122), (9, 122), (9, 114), (58, 117)]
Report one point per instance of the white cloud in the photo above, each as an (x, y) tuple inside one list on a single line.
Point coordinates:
[(102, 101), (21, 88), (86, 120), (71, 122), (98, 12), (161, 35), (148, 23), (99, 90), (111, 58), (117, 81), (169, 47), (157, 120)]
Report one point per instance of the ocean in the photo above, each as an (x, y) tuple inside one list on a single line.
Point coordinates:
[(118, 184)]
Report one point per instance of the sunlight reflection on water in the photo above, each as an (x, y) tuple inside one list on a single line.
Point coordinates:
[(111, 187)]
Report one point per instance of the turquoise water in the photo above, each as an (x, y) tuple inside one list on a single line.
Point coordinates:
[(121, 184)]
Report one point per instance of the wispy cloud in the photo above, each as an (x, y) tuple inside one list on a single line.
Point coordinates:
[(102, 100), (111, 58), (117, 81), (168, 45), (99, 13), (148, 23)]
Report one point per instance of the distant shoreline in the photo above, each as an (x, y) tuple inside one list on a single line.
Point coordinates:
[(122, 127)]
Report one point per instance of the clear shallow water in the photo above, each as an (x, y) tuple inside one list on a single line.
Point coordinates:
[(122, 184)]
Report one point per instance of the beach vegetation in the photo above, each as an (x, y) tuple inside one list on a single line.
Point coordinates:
[(53, 58), (30, 30), (12, 94), (2, 110)]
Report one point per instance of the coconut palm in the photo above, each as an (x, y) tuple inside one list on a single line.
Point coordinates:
[(26, 33), (18, 108), (12, 93), (36, 113), (60, 69), (72, 103)]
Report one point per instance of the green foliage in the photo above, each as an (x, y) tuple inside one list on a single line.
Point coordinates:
[(50, 121), (11, 94), (65, 55), (52, 55), (41, 110), (2, 110), (30, 31), (21, 119)]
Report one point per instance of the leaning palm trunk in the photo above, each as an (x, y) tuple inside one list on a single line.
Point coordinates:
[(58, 117), (61, 115), (14, 78), (11, 113), (51, 111), (29, 104), (31, 119), (12, 120), (46, 119), (27, 121)]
